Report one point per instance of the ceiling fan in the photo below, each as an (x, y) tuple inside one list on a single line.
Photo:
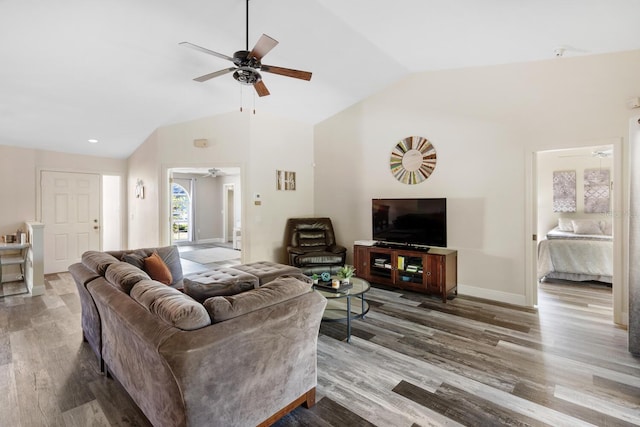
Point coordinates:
[(248, 63), (213, 172)]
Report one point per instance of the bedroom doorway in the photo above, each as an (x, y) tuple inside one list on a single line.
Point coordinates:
[(573, 202)]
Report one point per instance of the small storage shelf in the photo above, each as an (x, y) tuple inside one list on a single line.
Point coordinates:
[(433, 270), (13, 254)]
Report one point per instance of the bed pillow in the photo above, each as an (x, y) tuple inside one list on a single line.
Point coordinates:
[(565, 224), (607, 227), (586, 226)]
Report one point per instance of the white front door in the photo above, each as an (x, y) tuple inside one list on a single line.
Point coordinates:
[(71, 212)]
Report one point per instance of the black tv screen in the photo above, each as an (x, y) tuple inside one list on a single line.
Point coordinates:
[(413, 222)]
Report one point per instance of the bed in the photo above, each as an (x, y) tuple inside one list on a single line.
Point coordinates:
[(580, 252)]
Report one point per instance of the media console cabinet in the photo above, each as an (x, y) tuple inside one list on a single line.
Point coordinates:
[(433, 271)]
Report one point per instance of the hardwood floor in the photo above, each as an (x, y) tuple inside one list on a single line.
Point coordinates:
[(413, 361)]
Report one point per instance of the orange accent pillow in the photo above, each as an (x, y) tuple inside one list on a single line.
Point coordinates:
[(157, 269)]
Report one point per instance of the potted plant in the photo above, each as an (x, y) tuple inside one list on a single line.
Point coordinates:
[(315, 278), (346, 272)]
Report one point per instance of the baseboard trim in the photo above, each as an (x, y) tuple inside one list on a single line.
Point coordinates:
[(212, 240), (491, 294)]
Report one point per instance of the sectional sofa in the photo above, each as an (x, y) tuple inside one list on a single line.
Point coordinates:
[(233, 360)]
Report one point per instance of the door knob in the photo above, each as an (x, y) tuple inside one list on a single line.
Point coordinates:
[(95, 227)]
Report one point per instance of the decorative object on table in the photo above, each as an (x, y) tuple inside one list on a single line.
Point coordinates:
[(346, 272), (328, 286), (326, 277), (335, 283), (413, 160), (285, 180), (315, 278), (596, 190), (564, 191)]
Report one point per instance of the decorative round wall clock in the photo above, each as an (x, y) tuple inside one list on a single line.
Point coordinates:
[(412, 160)]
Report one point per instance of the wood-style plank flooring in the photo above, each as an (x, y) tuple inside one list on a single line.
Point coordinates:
[(413, 361)]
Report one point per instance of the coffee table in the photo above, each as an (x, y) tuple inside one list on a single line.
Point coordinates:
[(339, 307)]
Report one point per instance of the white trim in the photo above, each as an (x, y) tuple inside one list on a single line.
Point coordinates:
[(493, 295)]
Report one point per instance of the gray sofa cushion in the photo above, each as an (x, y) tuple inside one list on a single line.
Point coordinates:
[(98, 261), (171, 305), (124, 276), (281, 289), (267, 271), (220, 281)]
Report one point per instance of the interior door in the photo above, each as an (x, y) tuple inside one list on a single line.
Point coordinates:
[(70, 204)]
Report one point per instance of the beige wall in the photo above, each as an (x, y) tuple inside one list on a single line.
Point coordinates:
[(485, 123), (258, 144), (19, 174)]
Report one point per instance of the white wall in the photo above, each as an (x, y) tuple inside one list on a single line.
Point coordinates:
[(19, 175), (484, 123), (258, 144)]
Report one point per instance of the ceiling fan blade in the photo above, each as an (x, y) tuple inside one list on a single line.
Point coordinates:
[(262, 47), (289, 72), (205, 50), (260, 88), (214, 74)]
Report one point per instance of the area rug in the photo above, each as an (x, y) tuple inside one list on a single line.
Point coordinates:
[(206, 256)]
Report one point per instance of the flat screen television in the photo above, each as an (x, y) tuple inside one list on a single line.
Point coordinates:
[(410, 222)]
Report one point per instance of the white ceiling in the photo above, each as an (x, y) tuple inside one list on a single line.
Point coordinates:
[(112, 70)]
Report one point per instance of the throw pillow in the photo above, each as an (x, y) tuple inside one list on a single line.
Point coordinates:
[(586, 226), (565, 224), (157, 269), (135, 259)]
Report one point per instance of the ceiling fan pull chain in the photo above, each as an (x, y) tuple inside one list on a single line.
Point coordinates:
[(254, 103), (241, 98)]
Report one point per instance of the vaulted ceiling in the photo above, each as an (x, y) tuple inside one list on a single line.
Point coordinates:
[(113, 70)]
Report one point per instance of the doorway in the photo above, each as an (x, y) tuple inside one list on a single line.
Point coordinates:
[(181, 214), (214, 210), (565, 194)]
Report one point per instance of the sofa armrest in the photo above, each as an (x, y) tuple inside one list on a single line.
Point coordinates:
[(243, 370), (131, 337)]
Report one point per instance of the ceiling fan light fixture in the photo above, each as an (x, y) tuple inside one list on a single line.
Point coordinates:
[(247, 76)]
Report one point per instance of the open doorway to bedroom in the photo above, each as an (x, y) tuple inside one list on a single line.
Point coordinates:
[(205, 209), (575, 253)]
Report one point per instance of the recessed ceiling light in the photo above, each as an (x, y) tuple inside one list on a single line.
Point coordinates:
[(93, 141)]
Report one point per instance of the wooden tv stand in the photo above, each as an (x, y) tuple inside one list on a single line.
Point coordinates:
[(432, 270)]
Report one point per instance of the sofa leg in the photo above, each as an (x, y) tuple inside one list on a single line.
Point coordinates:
[(307, 400), (310, 398)]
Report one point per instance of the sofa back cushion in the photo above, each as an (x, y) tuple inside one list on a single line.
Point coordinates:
[(281, 289), (169, 254), (98, 261), (124, 276), (170, 305)]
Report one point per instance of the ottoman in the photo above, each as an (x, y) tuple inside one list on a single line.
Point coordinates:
[(219, 281), (266, 271)]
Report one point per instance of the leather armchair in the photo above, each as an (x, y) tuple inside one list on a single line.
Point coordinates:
[(311, 245)]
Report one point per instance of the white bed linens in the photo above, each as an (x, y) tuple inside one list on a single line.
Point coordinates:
[(578, 257)]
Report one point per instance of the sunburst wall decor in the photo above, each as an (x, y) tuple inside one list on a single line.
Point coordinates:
[(413, 160)]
